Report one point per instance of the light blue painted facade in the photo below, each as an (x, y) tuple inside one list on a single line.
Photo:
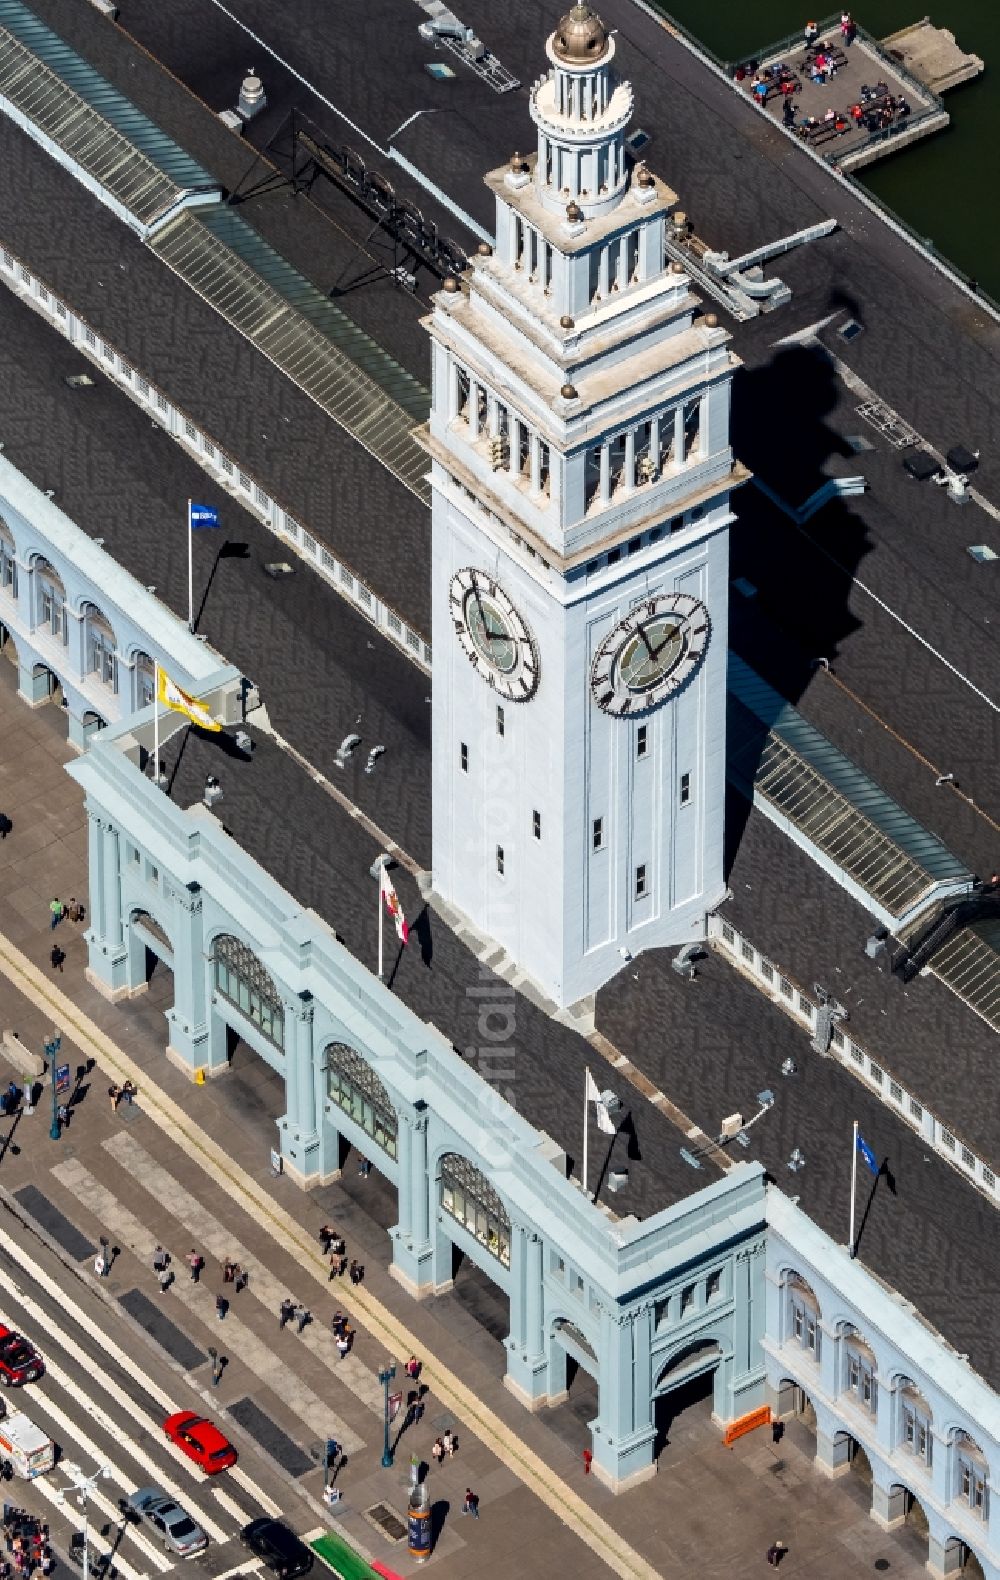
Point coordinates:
[(80, 628), (640, 1306), (878, 1377)]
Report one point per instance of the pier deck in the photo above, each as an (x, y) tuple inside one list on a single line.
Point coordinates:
[(931, 55)]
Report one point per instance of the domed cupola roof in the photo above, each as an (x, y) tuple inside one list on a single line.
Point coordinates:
[(580, 37)]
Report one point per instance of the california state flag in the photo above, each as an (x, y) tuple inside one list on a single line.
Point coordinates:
[(394, 908)]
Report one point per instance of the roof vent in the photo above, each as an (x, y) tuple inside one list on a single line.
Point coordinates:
[(252, 97), (79, 381)]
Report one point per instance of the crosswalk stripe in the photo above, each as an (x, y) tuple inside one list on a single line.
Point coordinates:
[(219, 1242), (253, 1351), (58, 1501), (239, 1475), (231, 1506), (204, 1226), (94, 1329), (62, 1378), (251, 1565)]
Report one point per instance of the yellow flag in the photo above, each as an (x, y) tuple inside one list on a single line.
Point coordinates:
[(173, 697)]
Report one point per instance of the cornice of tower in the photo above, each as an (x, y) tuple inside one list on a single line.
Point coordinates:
[(572, 236)]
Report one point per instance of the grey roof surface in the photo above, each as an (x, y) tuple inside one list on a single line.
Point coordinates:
[(72, 104), (319, 664), (776, 752), (233, 392), (814, 932), (319, 854)]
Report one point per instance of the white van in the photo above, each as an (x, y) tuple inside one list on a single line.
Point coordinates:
[(26, 1446)]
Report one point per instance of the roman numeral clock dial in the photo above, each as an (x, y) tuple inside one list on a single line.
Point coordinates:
[(650, 654), (495, 639)]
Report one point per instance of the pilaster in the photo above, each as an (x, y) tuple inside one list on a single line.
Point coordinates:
[(415, 1255), (189, 1044), (300, 1142), (107, 954)]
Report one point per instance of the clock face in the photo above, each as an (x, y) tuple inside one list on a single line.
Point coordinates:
[(650, 654), (495, 638)]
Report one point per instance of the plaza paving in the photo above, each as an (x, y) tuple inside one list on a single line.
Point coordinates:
[(707, 1509)]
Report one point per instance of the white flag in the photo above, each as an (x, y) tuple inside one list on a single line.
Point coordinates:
[(604, 1119)]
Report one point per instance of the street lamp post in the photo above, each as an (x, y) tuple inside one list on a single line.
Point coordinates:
[(84, 1486), (51, 1050), (386, 1376)]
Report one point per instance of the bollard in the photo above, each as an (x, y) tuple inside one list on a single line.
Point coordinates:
[(199, 1076), (419, 1523)]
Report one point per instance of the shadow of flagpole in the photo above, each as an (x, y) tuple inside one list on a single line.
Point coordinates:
[(890, 1179)]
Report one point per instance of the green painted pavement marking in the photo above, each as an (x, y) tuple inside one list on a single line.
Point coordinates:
[(343, 1560)]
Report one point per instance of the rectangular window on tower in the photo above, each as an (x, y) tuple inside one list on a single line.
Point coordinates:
[(536, 824), (640, 882), (463, 757), (598, 833), (500, 720), (685, 789), (500, 860), (544, 475), (642, 740)]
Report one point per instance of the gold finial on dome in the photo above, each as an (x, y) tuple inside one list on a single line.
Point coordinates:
[(580, 36)]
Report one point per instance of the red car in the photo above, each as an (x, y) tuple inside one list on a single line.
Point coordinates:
[(200, 1441), (20, 1362)]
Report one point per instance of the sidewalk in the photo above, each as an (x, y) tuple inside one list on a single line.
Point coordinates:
[(105, 1167)]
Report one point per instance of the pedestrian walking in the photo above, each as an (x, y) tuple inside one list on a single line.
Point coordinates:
[(364, 1168), (241, 1280), (337, 1322), (62, 1114), (413, 1368), (129, 1093), (71, 909), (55, 913), (57, 957), (775, 1553), (326, 1235), (195, 1263), (302, 1317), (160, 1258), (286, 1312), (470, 1503), (229, 1269), (221, 1307), (437, 1451), (357, 1272), (12, 1097), (5, 825), (164, 1278), (343, 1342), (450, 1442), (115, 1097)]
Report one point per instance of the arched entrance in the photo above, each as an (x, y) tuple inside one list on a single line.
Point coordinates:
[(908, 1522), (7, 647), (46, 686), (473, 1248), (365, 1148), (247, 1004), (959, 1559), (684, 1398), (93, 724), (573, 1357)]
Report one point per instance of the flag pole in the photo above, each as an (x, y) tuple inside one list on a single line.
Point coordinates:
[(190, 572), (586, 1127), (854, 1185), (381, 923), (156, 723)]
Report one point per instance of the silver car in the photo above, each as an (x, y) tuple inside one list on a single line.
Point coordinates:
[(178, 1532)]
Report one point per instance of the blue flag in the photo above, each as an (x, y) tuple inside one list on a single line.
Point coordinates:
[(204, 516), (867, 1154)]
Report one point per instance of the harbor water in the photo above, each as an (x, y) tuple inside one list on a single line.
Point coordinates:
[(941, 187)]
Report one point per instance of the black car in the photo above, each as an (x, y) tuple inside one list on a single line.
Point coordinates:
[(284, 1553)]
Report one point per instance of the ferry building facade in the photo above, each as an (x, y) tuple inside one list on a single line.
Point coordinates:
[(581, 470)]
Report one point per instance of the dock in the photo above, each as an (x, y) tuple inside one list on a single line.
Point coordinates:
[(931, 55)]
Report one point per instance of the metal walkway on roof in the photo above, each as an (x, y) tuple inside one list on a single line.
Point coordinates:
[(316, 345), (781, 760), (87, 124), (969, 963)]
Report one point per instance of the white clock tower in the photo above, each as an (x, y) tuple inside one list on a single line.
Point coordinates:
[(579, 435)]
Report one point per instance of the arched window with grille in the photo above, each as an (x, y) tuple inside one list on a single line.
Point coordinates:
[(240, 978), (8, 561), (468, 1197), (353, 1086)]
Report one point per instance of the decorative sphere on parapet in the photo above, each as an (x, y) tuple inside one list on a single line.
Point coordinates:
[(580, 36)]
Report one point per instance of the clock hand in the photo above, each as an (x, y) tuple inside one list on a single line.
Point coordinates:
[(645, 643)]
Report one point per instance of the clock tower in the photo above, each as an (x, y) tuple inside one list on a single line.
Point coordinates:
[(581, 472)]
